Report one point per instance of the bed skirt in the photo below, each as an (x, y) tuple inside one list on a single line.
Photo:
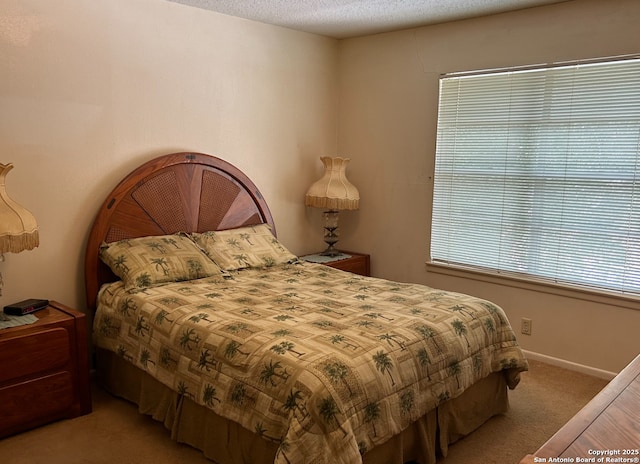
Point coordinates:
[(226, 442)]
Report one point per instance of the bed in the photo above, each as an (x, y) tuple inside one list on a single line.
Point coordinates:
[(254, 356)]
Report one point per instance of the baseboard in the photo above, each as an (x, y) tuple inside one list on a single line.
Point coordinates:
[(593, 371)]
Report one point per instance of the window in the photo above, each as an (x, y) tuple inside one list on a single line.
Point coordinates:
[(538, 174)]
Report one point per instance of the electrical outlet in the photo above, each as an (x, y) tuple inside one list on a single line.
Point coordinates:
[(525, 325)]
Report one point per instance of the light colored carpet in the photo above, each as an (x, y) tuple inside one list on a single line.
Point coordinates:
[(545, 400), (115, 433)]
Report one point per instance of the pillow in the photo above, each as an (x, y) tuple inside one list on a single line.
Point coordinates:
[(253, 246), (147, 261)]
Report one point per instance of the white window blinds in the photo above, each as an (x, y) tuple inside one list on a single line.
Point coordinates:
[(537, 174)]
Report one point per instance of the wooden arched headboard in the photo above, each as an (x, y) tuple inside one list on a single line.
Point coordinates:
[(180, 192)]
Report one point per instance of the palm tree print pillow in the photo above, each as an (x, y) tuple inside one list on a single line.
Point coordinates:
[(244, 247), (148, 261)]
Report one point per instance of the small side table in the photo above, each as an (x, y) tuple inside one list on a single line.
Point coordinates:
[(349, 261), (44, 374)]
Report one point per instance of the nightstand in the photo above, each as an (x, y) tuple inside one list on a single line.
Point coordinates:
[(44, 370), (357, 263)]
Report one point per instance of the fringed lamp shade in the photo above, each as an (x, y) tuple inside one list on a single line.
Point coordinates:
[(333, 192), (18, 227)]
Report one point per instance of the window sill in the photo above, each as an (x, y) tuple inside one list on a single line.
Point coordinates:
[(511, 280)]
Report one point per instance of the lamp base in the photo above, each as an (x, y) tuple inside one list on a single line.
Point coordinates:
[(331, 251), (330, 232)]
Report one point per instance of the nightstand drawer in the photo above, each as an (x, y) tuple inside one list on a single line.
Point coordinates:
[(357, 264), (35, 402), (25, 355)]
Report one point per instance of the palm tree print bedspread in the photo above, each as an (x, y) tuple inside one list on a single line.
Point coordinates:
[(326, 363)]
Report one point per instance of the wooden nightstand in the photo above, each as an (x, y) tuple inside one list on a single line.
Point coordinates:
[(44, 370), (357, 263)]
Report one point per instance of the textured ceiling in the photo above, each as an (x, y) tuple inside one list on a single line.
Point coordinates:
[(352, 18)]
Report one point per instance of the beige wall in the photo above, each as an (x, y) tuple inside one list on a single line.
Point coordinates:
[(91, 89), (388, 109)]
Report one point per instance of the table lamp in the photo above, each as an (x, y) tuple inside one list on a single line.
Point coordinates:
[(333, 192)]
